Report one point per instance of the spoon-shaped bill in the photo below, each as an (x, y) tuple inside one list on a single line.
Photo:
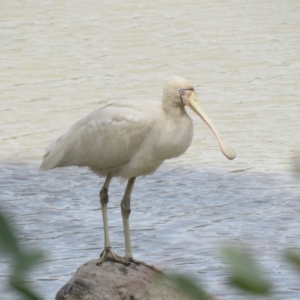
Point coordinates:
[(194, 104)]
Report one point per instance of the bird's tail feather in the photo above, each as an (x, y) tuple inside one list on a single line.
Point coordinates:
[(53, 157)]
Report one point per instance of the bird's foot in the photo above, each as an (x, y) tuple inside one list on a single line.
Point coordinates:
[(108, 255)]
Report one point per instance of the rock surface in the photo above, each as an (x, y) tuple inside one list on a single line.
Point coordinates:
[(114, 281)]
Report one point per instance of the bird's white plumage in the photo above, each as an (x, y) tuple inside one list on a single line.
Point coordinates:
[(127, 139)]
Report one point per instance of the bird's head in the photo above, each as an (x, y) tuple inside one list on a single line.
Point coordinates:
[(180, 92)]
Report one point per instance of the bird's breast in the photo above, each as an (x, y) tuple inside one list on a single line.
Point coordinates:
[(174, 139)]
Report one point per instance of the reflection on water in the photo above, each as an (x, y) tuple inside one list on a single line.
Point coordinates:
[(179, 218)]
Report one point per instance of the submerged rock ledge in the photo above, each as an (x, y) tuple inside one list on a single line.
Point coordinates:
[(114, 281)]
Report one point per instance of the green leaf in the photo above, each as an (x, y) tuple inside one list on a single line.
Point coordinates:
[(189, 287), (10, 246), (293, 258), (24, 290), (8, 242), (22, 261), (27, 261), (244, 272)]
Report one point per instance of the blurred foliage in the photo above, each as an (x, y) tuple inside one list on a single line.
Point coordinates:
[(293, 258), (22, 260), (189, 287), (244, 272), (296, 165)]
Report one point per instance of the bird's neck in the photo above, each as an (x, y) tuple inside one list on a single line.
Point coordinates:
[(175, 110)]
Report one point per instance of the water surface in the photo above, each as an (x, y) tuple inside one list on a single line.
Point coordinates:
[(60, 61)]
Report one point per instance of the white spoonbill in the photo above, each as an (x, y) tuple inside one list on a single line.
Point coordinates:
[(129, 139)]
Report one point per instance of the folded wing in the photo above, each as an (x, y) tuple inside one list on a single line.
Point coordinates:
[(105, 139)]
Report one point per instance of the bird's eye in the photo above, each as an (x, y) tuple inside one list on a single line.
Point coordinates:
[(182, 92)]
